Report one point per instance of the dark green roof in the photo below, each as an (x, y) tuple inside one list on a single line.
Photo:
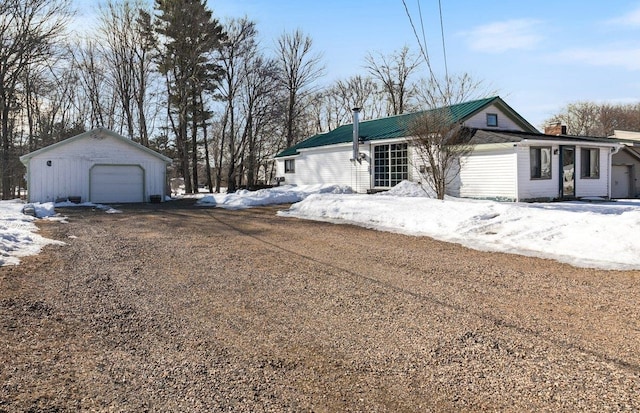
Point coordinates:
[(394, 126)]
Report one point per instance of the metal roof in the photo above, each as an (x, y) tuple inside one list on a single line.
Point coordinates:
[(397, 126)]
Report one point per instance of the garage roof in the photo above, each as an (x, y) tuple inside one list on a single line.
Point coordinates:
[(92, 133)]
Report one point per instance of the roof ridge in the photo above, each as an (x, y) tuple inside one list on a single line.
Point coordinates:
[(387, 127), (470, 102)]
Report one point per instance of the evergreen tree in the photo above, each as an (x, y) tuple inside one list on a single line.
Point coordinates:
[(189, 36)]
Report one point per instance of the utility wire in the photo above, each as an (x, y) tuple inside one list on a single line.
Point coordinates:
[(444, 48), (421, 44)]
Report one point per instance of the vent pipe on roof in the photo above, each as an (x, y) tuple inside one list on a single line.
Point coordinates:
[(356, 135)]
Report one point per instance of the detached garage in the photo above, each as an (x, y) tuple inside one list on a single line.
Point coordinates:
[(97, 166)]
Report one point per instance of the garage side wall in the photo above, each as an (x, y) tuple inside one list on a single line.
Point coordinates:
[(64, 171)]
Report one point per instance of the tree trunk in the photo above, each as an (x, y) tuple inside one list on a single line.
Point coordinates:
[(206, 148), (221, 154), (251, 158), (194, 140)]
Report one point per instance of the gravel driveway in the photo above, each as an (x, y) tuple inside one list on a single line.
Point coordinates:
[(173, 307)]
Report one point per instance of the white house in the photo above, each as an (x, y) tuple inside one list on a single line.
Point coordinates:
[(511, 160), (97, 166), (524, 166)]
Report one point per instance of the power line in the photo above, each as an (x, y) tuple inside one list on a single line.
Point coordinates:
[(421, 43), (444, 48)]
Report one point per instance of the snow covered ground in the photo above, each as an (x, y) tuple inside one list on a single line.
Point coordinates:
[(18, 233), (585, 234)]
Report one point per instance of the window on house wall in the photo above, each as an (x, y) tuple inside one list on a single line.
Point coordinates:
[(540, 160), (492, 119), (590, 161), (289, 166), (391, 164)]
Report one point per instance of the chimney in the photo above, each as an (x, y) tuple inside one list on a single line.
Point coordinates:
[(356, 135), (555, 129)]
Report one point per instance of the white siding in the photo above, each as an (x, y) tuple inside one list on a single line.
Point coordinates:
[(68, 174), (532, 189), (489, 174), (593, 187), (328, 165), (479, 120)]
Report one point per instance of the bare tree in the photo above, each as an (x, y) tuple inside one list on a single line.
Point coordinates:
[(332, 107), (259, 90), (363, 92), (127, 50), (581, 118), (450, 90), (439, 143), (594, 119), (438, 139), (394, 73), (91, 65), (237, 48), (29, 30), (299, 68)]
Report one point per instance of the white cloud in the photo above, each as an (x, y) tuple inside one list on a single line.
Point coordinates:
[(628, 58), (499, 37)]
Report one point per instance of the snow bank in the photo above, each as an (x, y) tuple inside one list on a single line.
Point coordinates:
[(18, 237), (601, 235), (286, 194)]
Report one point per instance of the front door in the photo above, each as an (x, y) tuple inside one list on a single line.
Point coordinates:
[(568, 177)]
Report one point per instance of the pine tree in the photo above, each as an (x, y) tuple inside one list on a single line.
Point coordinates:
[(189, 36)]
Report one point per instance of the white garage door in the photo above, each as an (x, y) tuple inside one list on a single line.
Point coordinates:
[(117, 183)]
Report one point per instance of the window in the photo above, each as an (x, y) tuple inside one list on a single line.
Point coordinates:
[(289, 166), (590, 161), (540, 159), (492, 119), (391, 165)]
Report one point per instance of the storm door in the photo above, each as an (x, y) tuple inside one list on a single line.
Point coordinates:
[(568, 179)]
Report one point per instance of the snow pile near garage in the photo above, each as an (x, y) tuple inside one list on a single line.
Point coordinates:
[(18, 233), (106, 208), (285, 194)]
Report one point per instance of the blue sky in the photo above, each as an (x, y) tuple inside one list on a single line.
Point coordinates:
[(538, 55)]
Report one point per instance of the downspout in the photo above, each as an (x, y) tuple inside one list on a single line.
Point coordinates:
[(517, 176), (613, 151)]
